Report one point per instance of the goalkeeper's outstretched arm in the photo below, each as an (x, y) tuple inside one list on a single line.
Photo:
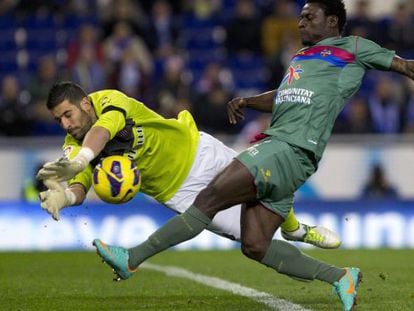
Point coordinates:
[(64, 169), (96, 139)]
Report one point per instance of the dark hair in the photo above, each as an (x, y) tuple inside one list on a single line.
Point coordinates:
[(333, 7), (64, 90)]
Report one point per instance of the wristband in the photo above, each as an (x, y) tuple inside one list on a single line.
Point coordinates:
[(85, 154), (70, 197)]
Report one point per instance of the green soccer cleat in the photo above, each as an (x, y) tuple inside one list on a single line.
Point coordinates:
[(346, 287), (316, 235), (116, 257)]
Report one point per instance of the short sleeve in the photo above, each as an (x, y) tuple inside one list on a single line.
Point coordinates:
[(372, 56), (112, 120), (112, 108)]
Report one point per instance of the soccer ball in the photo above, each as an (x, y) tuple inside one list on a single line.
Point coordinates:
[(116, 179)]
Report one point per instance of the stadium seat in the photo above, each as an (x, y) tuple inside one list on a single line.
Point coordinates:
[(7, 40), (41, 40), (200, 38), (197, 59), (8, 62), (8, 21), (190, 21), (248, 72), (40, 20)]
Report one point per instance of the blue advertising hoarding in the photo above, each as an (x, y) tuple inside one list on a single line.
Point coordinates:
[(361, 224)]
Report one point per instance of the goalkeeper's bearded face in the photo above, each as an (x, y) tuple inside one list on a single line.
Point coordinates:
[(76, 120)]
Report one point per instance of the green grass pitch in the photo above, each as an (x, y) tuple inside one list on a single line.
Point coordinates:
[(79, 281)]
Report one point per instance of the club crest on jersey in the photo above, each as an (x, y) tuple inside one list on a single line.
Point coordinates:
[(105, 101), (67, 151), (292, 73), (326, 52)]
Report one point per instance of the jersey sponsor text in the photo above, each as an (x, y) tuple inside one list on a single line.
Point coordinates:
[(294, 95)]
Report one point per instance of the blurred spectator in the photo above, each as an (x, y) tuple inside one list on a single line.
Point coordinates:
[(14, 115), (244, 30), (32, 187), (211, 95), (378, 186), (204, 9), (213, 75), (409, 117), (6, 5), (77, 12), (131, 63), (87, 37), (88, 71), (251, 129), (39, 85), (210, 111), (361, 23), (384, 107), (127, 11), (283, 22), (41, 82), (410, 6), (176, 6), (400, 29), (408, 112), (172, 92), (279, 62), (162, 30), (139, 47), (355, 119), (38, 5)]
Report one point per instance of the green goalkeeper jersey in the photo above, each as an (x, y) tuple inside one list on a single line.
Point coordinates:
[(318, 81), (163, 149)]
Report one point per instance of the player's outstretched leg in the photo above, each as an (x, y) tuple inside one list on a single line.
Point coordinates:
[(316, 235), (116, 257), (346, 287)]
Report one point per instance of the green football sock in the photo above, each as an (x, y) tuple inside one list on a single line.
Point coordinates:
[(178, 229), (288, 259)]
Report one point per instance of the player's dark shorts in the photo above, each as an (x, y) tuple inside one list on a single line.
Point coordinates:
[(279, 169)]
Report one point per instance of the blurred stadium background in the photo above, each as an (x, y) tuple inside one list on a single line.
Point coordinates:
[(196, 55)]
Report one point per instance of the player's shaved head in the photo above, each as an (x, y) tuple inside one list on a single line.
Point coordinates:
[(65, 90), (333, 7)]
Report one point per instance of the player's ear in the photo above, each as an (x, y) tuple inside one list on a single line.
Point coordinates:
[(86, 104), (332, 21)]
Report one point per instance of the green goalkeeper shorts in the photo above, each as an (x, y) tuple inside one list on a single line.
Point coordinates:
[(279, 169)]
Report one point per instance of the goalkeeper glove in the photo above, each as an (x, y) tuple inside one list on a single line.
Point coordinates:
[(56, 198), (64, 169)]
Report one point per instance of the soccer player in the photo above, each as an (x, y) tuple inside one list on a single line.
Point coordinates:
[(175, 160)]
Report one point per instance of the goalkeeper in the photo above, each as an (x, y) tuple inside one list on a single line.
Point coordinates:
[(175, 160)]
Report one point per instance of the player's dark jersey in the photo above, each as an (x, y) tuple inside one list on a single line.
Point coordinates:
[(318, 81)]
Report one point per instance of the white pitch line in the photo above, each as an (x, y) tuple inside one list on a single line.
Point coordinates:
[(271, 301)]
